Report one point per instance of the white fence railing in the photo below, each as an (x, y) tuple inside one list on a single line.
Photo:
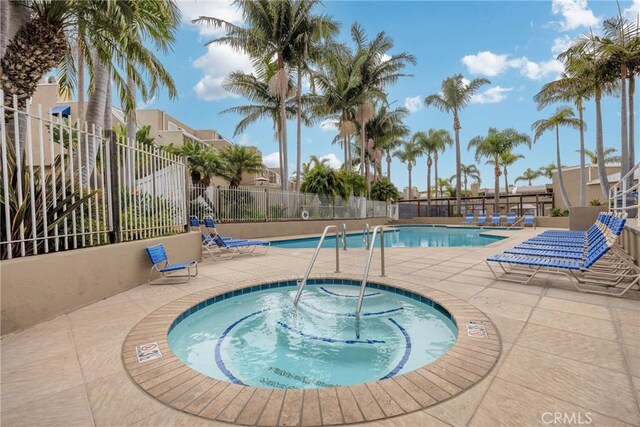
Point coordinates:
[(57, 191), (623, 196), (256, 204)]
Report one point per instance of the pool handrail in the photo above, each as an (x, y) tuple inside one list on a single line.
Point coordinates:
[(344, 236), (365, 236), (378, 228), (315, 256)]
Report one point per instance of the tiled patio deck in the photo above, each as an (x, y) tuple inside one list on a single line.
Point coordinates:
[(563, 351)]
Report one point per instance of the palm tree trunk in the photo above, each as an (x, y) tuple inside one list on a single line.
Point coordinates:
[(496, 185), (456, 127), (563, 191), (131, 124), (429, 186), (388, 165), (299, 128), (363, 155), (345, 142), (602, 170), (96, 113), (409, 170), (583, 172), (80, 90), (506, 181), (283, 119), (435, 173), (632, 142), (624, 135)]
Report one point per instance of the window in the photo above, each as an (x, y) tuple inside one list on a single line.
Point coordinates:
[(172, 126)]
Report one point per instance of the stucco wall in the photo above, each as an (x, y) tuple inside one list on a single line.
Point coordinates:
[(254, 230), (630, 240), (541, 221), (38, 288)]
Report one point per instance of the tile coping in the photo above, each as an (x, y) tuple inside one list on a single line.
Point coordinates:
[(175, 384)]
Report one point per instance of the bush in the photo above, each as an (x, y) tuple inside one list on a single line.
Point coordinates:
[(595, 202), (555, 212), (384, 190)]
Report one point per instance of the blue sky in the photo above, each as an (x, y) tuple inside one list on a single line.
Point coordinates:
[(512, 43)]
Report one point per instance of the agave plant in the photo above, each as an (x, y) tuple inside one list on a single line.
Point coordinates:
[(49, 211)]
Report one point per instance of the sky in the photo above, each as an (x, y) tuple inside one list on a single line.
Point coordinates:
[(512, 43)]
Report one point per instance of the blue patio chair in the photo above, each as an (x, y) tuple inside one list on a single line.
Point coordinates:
[(240, 246), (511, 219), (468, 219), (482, 219), (210, 224), (495, 219), (161, 264), (529, 219)]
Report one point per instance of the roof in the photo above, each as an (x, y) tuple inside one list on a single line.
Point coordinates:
[(62, 110)]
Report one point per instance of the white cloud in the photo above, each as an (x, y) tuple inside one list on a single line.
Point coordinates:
[(413, 103), (491, 96), (141, 105), (271, 160), (574, 13), (633, 11), (223, 9), (385, 57), (328, 126), (334, 162), (491, 64), (216, 64), (561, 44), (486, 63)]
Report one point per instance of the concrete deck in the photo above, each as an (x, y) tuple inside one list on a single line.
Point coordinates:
[(562, 351)]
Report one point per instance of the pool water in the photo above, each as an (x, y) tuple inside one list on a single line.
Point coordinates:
[(409, 237), (261, 339)]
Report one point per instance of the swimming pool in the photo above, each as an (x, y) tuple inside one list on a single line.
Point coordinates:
[(405, 236), (256, 336)]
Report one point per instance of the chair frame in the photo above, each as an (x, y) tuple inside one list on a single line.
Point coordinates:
[(158, 267)]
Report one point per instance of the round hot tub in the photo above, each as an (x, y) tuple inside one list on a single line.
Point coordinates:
[(257, 337)]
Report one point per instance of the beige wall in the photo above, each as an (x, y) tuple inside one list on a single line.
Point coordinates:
[(541, 221), (571, 179), (630, 240), (272, 230), (38, 288)]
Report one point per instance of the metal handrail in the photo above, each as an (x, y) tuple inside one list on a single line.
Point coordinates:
[(623, 190), (365, 236), (315, 256), (368, 265), (344, 236)]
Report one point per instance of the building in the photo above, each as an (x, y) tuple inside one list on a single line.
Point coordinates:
[(164, 129), (571, 178)]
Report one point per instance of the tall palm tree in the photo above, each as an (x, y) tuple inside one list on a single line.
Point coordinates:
[(469, 171), (492, 146), (570, 88), (239, 160), (272, 30), (529, 175), (609, 157), (584, 62), (507, 159), (432, 142), (386, 128), (308, 49), (444, 184), (453, 97), (408, 154), (564, 116), (378, 70)]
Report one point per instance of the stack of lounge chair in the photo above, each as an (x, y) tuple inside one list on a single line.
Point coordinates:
[(497, 219), (592, 259), (217, 246)]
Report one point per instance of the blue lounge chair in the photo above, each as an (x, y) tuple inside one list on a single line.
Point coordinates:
[(529, 219), (160, 261), (495, 219), (210, 224), (240, 246), (468, 219), (482, 219), (511, 219)]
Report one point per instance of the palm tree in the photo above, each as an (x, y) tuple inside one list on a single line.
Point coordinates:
[(564, 116), (453, 97), (324, 181), (529, 175), (315, 30), (507, 159), (239, 160), (493, 146), (204, 162), (386, 130), (608, 156), (443, 184), (470, 171), (431, 143), (566, 89), (408, 154), (272, 29), (263, 103), (547, 171), (583, 61)]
